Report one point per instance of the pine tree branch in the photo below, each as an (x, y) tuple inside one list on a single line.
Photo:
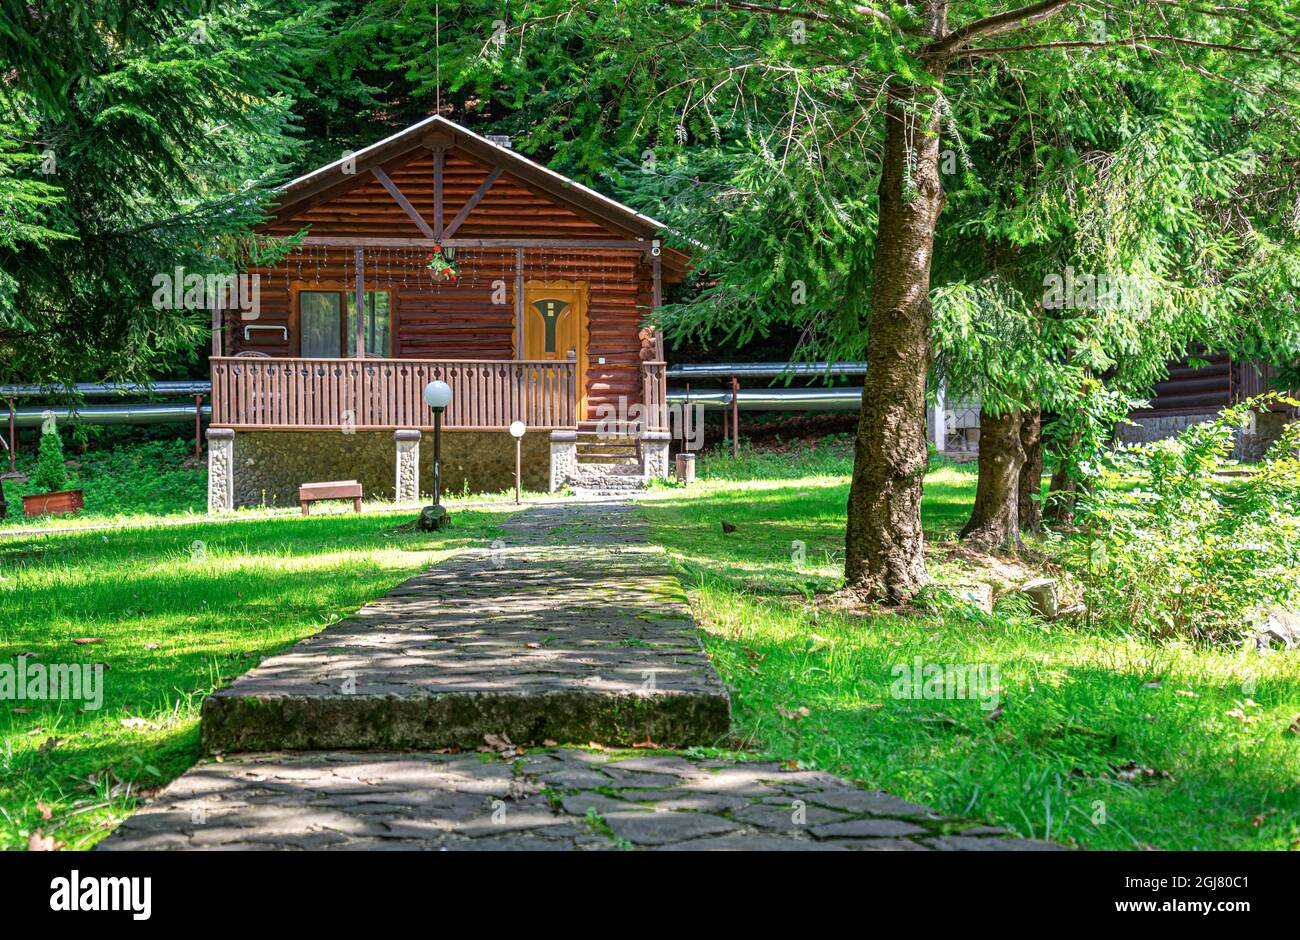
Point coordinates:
[(1009, 21), (1139, 40), (790, 12)]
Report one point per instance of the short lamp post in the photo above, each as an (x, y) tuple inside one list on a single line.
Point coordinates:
[(517, 431), (437, 395)]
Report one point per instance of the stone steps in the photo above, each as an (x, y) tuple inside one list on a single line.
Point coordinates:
[(574, 631), (603, 454), (600, 477), (604, 446), (605, 460)]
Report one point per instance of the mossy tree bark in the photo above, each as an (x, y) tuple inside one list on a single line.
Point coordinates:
[(1060, 492), (884, 555), (1031, 474), (995, 520)]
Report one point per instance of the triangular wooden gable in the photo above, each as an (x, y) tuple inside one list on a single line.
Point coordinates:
[(389, 190)]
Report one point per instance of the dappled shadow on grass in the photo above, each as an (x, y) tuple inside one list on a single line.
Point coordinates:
[(788, 539), (1104, 740), (264, 534), (171, 620), (89, 789), (785, 538), (1085, 749)]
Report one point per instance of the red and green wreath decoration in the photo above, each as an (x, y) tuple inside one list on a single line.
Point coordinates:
[(443, 268)]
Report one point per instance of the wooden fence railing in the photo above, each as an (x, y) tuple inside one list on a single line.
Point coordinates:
[(654, 386), (374, 394)]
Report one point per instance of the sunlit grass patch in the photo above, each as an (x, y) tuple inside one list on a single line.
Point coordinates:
[(173, 613), (1102, 740)]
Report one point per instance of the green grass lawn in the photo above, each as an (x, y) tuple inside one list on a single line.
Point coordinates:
[(1105, 741), (174, 614), (141, 480)]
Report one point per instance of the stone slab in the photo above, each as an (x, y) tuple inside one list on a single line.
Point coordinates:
[(570, 629)]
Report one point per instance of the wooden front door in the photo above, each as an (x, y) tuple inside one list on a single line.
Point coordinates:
[(555, 328)]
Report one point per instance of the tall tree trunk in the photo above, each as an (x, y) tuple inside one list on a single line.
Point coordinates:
[(995, 520), (1031, 474), (884, 555), (1060, 493)]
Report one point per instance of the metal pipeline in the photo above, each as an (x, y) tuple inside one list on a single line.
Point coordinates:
[(746, 399), (106, 389), (31, 417), (770, 399), (756, 370)]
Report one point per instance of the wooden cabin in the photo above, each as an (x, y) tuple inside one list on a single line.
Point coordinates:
[(1197, 390), (539, 316)]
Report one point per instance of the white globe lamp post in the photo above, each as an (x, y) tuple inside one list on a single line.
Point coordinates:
[(437, 395), (517, 430)]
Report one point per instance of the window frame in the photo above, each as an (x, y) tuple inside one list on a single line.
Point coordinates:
[(338, 287)]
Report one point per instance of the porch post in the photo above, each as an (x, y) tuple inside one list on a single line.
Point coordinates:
[(361, 302), (654, 451), (221, 469), (938, 414), (564, 458), (519, 302), (407, 489), (657, 410), (216, 325), (658, 300)]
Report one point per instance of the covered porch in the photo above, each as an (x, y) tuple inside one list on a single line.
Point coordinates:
[(557, 372)]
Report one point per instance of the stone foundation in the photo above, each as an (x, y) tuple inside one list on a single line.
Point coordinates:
[(1250, 446), (269, 466), (1146, 430), (654, 449), (408, 465), (564, 459)]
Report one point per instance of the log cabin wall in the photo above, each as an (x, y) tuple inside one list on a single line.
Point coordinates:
[(1193, 394), (1207, 389), (1192, 390), (436, 320)]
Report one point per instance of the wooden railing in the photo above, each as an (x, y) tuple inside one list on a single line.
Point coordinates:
[(374, 394), (654, 388)]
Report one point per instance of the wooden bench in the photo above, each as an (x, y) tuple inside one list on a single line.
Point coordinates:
[(308, 493)]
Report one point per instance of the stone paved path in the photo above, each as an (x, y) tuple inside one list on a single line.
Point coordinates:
[(550, 635), (571, 628), (563, 799)]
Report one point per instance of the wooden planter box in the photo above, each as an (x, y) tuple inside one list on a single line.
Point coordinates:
[(53, 504)]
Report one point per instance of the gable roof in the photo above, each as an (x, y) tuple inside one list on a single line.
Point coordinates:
[(352, 170)]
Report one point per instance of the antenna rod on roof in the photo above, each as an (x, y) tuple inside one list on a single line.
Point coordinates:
[(437, 56)]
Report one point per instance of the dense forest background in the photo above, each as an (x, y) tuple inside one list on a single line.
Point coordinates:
[(139, 137), (137, 140)]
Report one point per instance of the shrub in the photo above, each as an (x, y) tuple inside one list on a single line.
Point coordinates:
[(1174, 545), (50, 473), (1080, 435), (143, 477)]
